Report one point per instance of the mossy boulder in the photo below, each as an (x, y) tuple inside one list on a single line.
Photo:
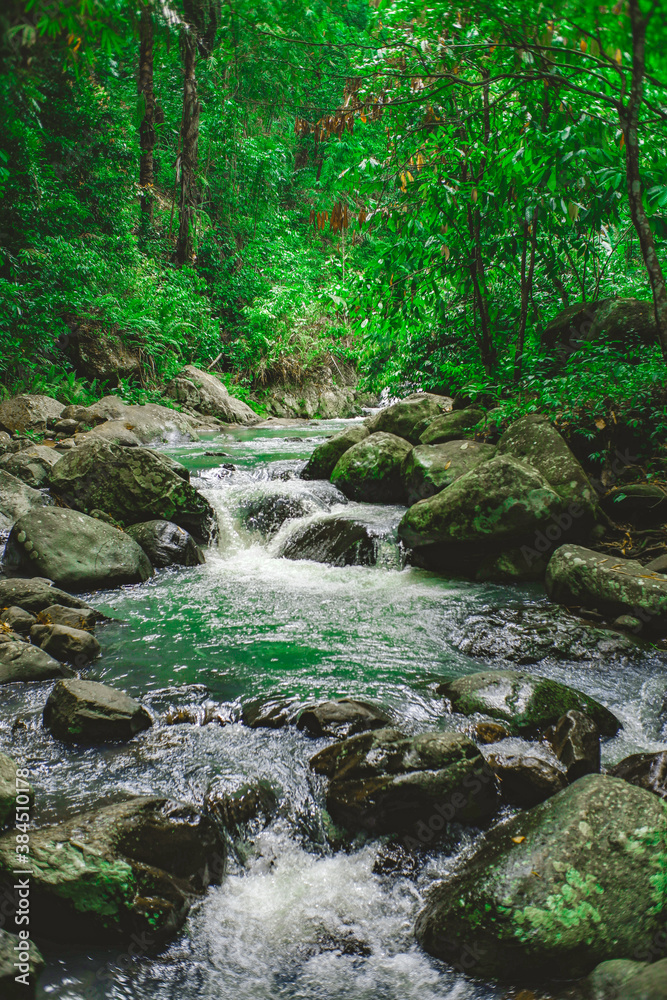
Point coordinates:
[(371, 470), (573, 882), (527, 703), (28, 412), (403, 418), (166, 544), (206, 393), (16, 498), (88, 712), (323, 461), (76, 551), (31, 465), (451, 426), (430, 468), (131, 485)]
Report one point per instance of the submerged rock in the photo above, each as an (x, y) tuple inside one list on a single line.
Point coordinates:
[(558, 889), (13, 950), (451, 426), (403, 418), (342, 718), (19, 661), (386, 782), (87, 712), (268, 507), (28, 413), (646, 770), (31, 465), (370, 471), (166, 544), (336, 539), (528, 704), (71, 645), (270, 713), (125, 870), (428, 469), (326, 455), (76, 551)]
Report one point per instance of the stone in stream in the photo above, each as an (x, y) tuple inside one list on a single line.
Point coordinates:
[(341, 718), (204, 392), (120, 872), (428, 469), (387, 782), (16, 499), (132, 485), (166, 544), (370, 471), (451, 426), (79, 618), (19, 661), (74, 550), (17, 619), (13, 949), (88, 712), (9, 791), (336, 539), (575, 740), (70, 645), (28, 413), (614, 586), (528, 704), (31, 465), (324, 458), (526, 780), (267, 507), (572, 882), (403, 418), (233, 805), (270, 713), (646, 770), (37, 594)]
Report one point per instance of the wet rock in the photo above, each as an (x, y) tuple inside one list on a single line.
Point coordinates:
[(37, 594), (428, 469), (606, 982), (233, 805), (533, 440), (385, 782), (8, 792), (87, 712), (269, 506), (28, 413), (70, 645), (499, 505), (563, 886), (336, 539), (490, 732), (14, 949), (79, 618), (17, 619), (326, 455), (206, 393), (74, 550), (451, 426), (31, 465), (576, 742), (342, 718), (132, 485), (402, 419), (19, 661), (394, 859), (525, 781), (166, 544), (16, 499), (528, 704), (128, 869), (646, 770), (614, 586), (370, 471), (270, 713)]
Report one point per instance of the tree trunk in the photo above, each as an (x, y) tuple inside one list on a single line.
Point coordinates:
[(526, 292), (189, 144), (629, 117), (147, 126)]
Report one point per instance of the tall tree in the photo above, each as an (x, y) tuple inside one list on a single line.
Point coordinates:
[(147, 106)]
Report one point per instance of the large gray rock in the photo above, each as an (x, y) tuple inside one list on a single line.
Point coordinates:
[(326, 455), (207, 394), (124, 871), (87, 712), (21, 950), (113, 431), (31, 465), (577, 576), (371, 470), (36, 595), (384, 782), (403, 418), (132, 485), (430, 468), (646, 770), (19, 661), (16, 499), (556, 890), (67, 644), (451, 426), (149, 422), (75, 551), (166, 544), (77, 618), (28, 413)]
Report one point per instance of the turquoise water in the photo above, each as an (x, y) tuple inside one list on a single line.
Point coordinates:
[(248, 623)]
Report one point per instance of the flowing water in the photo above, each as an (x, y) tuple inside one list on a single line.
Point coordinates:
[(297, 920)]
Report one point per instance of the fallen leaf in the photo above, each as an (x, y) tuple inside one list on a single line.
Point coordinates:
[(600, 424), (518, 840)]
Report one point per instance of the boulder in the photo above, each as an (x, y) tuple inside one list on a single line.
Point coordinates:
[(67, 644), (8, 792), (532, 439), (132, 485), (401, 419), (342, 718), (98, 355), (645, 770), (575, 740), (451, 426), (124, 872), (31, 465), (526, 780), (20, 661), (607, 980), (270, 713), (235, 804), (18, 620), (28, 413), (166, 544), (37, 594), (430, 468), (16, 499), (642, 504), (528, 704), (625, 321), (573, 882), (336, 539), (212, 397), (371, 470), (88, 712), (502, 504), (15, 949), (268, 505), (74, 550), (326, 455), (79, 618), (149, 422), (113, 431), (386, 782), (614, 586)]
